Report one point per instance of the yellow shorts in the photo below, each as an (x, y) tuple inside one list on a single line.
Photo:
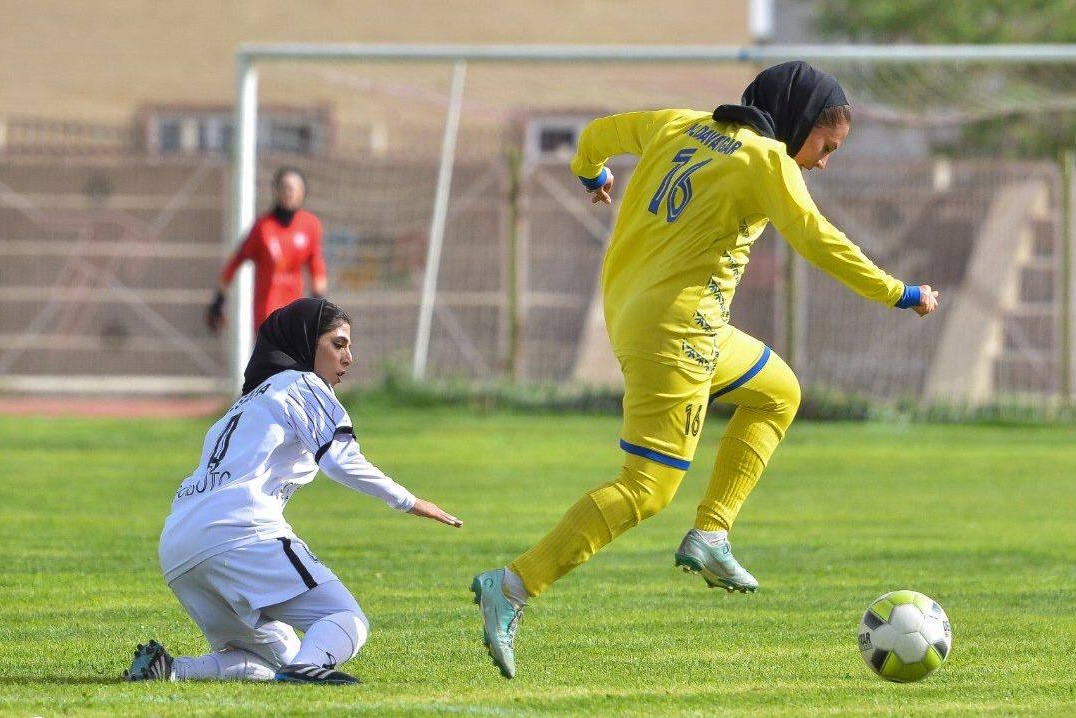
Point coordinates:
[(665, 406)]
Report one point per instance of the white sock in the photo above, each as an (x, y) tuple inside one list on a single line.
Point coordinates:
[(714, 537), (333, 640), (233, 664), (514, 590)]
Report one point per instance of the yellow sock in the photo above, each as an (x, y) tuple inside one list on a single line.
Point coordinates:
[(745, 449), (766, 405), (642, 489)]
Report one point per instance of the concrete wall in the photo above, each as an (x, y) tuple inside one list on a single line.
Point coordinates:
[(103, 60)]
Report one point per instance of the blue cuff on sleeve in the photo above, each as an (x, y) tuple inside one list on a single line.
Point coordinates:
[(911, 298), (596, 183)]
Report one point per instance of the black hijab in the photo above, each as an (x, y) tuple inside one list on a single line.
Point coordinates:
[(288, 339), (784, 102)]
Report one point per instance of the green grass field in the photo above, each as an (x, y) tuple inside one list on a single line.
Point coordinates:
[(980, 518)]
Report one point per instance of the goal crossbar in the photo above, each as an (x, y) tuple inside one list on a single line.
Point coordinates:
[(244, 156)]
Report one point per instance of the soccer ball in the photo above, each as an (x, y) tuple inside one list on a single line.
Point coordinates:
[(904, 636)]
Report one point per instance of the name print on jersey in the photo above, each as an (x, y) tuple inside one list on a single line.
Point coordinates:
[(247, 397), (714, 140)]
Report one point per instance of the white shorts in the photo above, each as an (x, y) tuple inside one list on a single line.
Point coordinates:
[(253, 597)]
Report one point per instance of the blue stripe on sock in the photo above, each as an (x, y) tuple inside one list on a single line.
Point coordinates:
[(655, 456), (746, 377)]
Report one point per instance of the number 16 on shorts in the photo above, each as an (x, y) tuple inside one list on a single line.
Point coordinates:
[(693, 419)]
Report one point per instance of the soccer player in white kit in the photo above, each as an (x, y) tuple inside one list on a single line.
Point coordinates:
[(226, 550)]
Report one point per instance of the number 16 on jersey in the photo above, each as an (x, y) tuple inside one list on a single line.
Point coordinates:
[(675, 188)]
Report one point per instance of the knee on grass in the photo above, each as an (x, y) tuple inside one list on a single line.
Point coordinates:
[(334, 639)]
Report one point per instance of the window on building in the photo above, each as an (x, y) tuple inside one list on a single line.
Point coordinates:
[(553, 138), (210, 131), (169, 135)]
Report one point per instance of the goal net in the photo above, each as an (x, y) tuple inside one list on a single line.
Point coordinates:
[(465, 249)]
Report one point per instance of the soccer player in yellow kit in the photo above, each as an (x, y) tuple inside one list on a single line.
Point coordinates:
[(704, 189)]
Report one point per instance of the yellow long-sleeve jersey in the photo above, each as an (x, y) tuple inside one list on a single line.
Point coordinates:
[(701, 195)]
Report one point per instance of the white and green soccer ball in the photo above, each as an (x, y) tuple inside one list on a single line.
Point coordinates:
[(904, 636)]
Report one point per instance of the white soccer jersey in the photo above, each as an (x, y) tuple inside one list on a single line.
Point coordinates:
[(268, 444)]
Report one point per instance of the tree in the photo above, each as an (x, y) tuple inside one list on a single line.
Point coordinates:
[(953, 22), (1032, 106)]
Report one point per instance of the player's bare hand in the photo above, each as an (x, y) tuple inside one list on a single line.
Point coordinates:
[(928, 300), (605, 192), (430, 510)]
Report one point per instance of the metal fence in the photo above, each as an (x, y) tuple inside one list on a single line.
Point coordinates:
[(108, 254)]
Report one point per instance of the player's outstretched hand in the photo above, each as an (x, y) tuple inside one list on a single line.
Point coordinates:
[(928, 300), (430, 510), (603, 193)]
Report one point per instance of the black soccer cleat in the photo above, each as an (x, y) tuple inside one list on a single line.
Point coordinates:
[(151, 663), (308, 673)]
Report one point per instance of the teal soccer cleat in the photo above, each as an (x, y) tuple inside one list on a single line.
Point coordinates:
[(499, 619), (151, 663), (714, 560)]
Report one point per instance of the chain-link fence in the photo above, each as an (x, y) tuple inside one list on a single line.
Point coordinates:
[(110, 248)]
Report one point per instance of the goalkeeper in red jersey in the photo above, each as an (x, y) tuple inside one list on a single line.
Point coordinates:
[(280, 244), (705, 187)]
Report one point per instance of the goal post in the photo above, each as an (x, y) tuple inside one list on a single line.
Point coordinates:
[(858, 68), (241, 329)]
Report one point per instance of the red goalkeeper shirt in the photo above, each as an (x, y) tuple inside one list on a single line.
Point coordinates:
[(279, 254)]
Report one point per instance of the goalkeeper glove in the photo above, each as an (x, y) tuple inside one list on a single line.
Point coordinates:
[(214, 314)]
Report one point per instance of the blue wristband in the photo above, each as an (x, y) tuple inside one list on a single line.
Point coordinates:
[(596, 183), (911, 298)]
